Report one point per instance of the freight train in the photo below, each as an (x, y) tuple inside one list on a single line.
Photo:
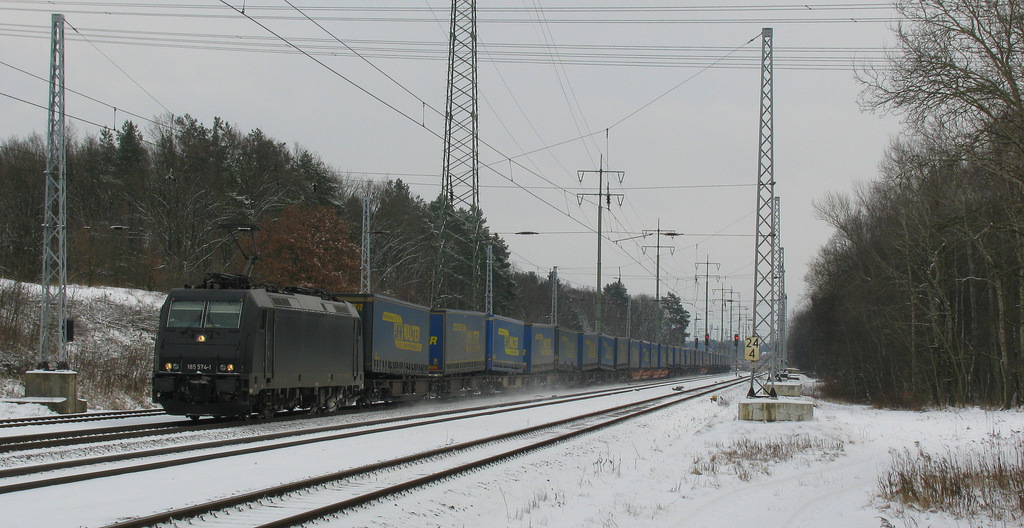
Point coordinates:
[(229, 348)]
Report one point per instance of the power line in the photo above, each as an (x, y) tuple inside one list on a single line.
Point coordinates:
[(510, 16), (596, 55), (83, 120), (120, 69), (93, 99)]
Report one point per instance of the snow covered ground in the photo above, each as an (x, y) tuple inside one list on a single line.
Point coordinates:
[(680, 468), (672, 469)]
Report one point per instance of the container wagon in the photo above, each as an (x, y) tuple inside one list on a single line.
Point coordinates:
[(457, 342), (539, 348), (505, 342), (588, 351), (567, 356), (606, 352)]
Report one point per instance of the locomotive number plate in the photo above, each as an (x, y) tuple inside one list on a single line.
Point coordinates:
[(198, 366)]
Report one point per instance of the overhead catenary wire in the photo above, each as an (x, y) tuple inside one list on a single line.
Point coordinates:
[(119, 68), (517, 185), (604, 54), (533, 194), (86, 96)]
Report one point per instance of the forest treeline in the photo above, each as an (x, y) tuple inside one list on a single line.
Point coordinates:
[(917, 298), (156, 210)]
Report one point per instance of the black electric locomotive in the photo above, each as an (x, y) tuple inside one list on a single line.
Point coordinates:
[(226, 349), (230, 348)]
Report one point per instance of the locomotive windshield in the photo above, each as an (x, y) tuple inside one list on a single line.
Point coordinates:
[(199, 314), (223, 314)]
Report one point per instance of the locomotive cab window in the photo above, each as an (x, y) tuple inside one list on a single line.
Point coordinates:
[(185, 314), (199, 314), (223, 314)]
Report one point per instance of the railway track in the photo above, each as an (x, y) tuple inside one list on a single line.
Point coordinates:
[(59, 439), (88, 417), (211, 450), (306, 500)]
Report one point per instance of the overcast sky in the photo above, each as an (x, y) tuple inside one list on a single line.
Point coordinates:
[(667, 92)]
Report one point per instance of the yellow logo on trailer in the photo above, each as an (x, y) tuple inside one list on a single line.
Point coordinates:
[(407, 336), (544, 345), (511, 342)]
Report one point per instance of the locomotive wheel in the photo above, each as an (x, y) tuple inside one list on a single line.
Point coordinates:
[(193, 417)]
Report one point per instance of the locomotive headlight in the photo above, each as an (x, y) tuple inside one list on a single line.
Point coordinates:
[(167, 366), (201, 338), (231, 367)]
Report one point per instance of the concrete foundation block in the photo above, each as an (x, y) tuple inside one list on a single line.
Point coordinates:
[(787, 388), (776, 410), (56, 389)]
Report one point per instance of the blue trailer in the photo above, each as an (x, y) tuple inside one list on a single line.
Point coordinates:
[(396, 335), (588, 345), (606, 353), (457, 341), (540, 347), (645, 355), (621, 353), (505, 352), (634, 354), (568, 350)]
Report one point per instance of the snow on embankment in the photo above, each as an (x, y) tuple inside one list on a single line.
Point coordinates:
[(113, 346)]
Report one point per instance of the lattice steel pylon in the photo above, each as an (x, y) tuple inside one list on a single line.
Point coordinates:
[(778, 361), (53, 323), (764, 252), (364, 254), (461, 178), (782, 313)]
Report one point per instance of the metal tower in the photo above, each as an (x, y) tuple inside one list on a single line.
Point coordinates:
[(657, 268), (489, 295), (777, 359), (603, 194), (764, 253), (461, 179), (554, 295), (364, 261), (782, 311), (53, 323)]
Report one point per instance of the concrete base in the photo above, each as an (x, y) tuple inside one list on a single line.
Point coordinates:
[(776, 410), (787, 388), (56, 389)]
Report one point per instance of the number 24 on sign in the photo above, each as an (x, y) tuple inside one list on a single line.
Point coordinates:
[(752, 348)]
